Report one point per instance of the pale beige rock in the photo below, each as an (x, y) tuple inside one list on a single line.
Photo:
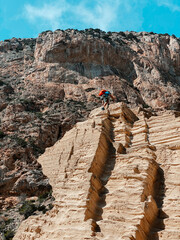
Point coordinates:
[(114, 176)]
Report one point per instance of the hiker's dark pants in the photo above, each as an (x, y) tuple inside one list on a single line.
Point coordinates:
[(105, 99)]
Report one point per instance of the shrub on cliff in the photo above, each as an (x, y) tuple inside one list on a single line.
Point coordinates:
[(5, 229), (9, 234), (27, 209)]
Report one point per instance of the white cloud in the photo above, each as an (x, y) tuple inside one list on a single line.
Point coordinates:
[(106, 14), (169, 3), (103, 14), (50, 13), (100, 16)]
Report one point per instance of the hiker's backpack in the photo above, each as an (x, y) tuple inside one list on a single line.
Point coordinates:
[(102, 92), (107, 93)]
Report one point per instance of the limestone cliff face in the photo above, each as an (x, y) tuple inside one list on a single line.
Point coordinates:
[(114, 176), (143, 68), (50, 83)]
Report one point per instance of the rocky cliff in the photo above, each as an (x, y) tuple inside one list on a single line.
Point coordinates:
[(114, 176), (49, 84)]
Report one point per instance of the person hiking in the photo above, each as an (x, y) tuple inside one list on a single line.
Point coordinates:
[(105, 96)]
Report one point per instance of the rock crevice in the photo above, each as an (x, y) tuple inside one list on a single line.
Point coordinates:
[(101, 168)]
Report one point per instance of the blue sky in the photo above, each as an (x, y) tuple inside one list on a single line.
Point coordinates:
[(25, 18)]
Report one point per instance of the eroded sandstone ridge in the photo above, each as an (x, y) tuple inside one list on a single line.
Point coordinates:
[(114, 176)]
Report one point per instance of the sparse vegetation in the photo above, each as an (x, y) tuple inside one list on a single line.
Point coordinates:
[(20, 141), (106, 38), (37, 150), (2, 83), (8, 221), (42, 208), (58, 101), (29, 105), (9, 234), (27, 209), (44, 196), (39, 115), (50, 206), (6, 230), (2, 226), (2, 134)]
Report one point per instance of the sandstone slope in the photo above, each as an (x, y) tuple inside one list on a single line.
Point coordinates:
[(114, 176)]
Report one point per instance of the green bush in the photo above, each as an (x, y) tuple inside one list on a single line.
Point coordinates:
[(43, 197), (27, 209), (2, 226), (9, 234), (42, 208), (10, 220), (50, 206)]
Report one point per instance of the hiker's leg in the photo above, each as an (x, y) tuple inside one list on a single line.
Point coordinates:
[(107, 102), (104, 101)]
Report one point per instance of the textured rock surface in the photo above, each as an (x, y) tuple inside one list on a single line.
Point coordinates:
[(114, 176), (50, 83)]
